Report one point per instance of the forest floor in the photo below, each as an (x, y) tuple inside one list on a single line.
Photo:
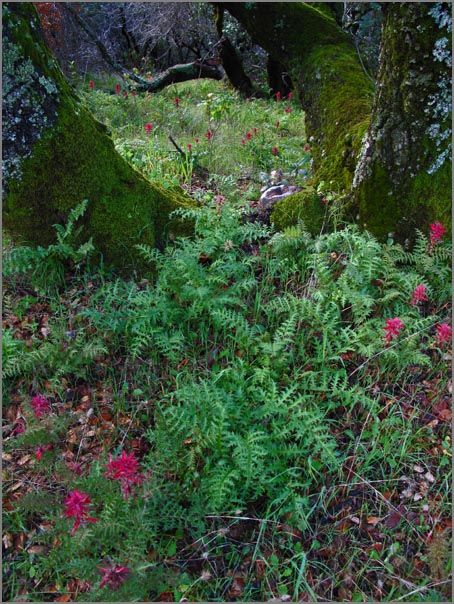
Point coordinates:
[(243, 423)]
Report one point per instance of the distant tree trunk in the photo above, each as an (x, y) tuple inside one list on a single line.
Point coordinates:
[(388, 153), (55, 154), (278, 79)]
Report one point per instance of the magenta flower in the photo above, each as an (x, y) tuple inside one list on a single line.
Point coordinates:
[(125, 94), (277, 124), (189, 146), (40, 450), (444, 334), (306, 147), (278, 96), (117, 88), (419, 295), (113, 577), (209, 135), (243, 141), (248, 136), (91, 84), (392, 329), (197, 140), (437, 230), (254, 131), (148, 128), (290, 96), (275, 151), (40, 404), (134, 93), (76, 507), (288, 110), (176, 100), (125, 470)]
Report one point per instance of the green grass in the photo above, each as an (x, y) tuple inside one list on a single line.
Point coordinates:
[(287, 451)]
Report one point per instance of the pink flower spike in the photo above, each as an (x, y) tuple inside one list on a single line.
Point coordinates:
[(278, 96), (40, 450), (176, 100), (254, 131), (125, 94), (275, 151), (197, 140), (288, 110), (444, 334), (91, 84), (437, 230), (117, 88), (419, 295), (392, 329), (148, 128), (277, 124), (306, 147), (248, 135), (134, 93), (209, 135), (113, 577), (189, 146), (125, 470), (40, 404), (290, 96), (76, 504)]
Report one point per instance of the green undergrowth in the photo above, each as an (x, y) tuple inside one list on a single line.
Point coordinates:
[(289, 444)]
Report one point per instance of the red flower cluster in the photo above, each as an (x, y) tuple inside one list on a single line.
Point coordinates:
[(306, 148), (419, 295), (125, 469), (40, 450), (113, 577), (278, 96), (76, 507), (40, 404), (392, 329), (444, 334), (209, 135), (91, 85), (117, 88), (176, 100), (275, 151), (437, 230), (148, 128), (288, 110)]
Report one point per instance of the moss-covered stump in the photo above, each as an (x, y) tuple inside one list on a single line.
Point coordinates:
[(305, 206), (56, 155)]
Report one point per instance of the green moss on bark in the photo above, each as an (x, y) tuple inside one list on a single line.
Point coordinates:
[(306, 206), (75, 159)]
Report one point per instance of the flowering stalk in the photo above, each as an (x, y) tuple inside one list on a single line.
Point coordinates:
[(419, 295), (40, 404), (76, 507), (125, 470), (392, 329)]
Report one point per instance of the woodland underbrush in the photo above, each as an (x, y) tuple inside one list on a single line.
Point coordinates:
[(264, 415)]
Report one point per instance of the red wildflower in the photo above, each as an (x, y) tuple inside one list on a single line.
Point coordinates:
[(76, 504), (278, 96), (437, 230), (243, 141), (176, 100), (91, 84), (209, 135), (125, 94), (419, 295), (189, 146), (40, 450), (288, 110), (40, 404), (254, 131), (113, 577), (277, 124), (392, 329), (290, 96), (148, 128), (275, 151), (125, 469), (134, 93), (248, 135), (117, 88), (444, 333), (306, 147), (197, 140)]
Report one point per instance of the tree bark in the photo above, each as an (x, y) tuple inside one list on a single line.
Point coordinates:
[(403, 178), (386, 153), (182, 73), (55, 154)]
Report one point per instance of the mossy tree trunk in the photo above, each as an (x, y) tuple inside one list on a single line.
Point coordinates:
[(55, 154), (385, 148), (403, 178)]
